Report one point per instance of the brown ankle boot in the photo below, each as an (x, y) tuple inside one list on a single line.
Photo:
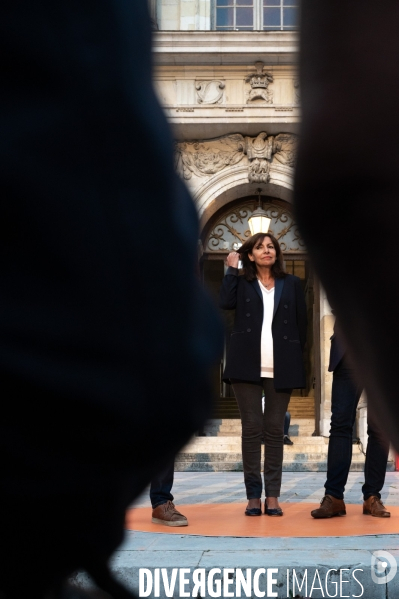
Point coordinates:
[(329, 507), (373, 506)]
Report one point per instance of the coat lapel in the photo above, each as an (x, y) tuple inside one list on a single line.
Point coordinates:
[(278, 290), (255, 285)]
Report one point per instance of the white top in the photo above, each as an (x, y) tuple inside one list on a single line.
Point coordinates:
[(266, 340)]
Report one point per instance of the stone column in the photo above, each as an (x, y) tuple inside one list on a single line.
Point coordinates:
[(362, 420), (326, 330), (152, 4)]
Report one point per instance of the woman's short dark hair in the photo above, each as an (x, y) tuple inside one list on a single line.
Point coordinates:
[(249, 267)]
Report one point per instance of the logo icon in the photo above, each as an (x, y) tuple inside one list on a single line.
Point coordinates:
[(383, 567)]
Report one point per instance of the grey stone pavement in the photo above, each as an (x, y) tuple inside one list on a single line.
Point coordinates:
[(349, 557)]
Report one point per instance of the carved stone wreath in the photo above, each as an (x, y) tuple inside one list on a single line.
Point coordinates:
[(232, 228)]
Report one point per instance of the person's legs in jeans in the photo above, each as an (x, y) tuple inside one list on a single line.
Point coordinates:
[(376, 458), (249, 399), (276, 403), (344, 399), (163, 508), (161, 486)]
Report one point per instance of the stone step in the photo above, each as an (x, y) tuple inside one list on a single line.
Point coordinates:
[(223, 466), (220, 449), (226, 407), (228, 439), (232, 426), (292, 466), (231, 421), (288, 449), (233, 456), (287, 467)]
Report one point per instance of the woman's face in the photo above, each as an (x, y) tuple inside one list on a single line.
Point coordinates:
[(263, 253)]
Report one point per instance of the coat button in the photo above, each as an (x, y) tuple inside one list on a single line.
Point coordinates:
[(248, 330), (247, 300), (285, 321), (285, 337), (285, 306), (247, 314)]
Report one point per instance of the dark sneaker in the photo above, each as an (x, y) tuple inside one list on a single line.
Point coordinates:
[(287, 440)]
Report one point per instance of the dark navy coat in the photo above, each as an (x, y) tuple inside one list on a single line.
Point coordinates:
[(288, 329)]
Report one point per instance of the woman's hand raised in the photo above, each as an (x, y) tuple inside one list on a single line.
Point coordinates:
[(232, 259)]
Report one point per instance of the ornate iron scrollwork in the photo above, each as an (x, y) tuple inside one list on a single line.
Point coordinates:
[(233, 228)]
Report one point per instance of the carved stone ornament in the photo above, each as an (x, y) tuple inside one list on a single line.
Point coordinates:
[(210, 92), (285, 147), (259, 83), (259, 151), (204, 158), (232, 228)]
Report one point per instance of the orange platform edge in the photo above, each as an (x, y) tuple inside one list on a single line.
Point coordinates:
[(228, 520)]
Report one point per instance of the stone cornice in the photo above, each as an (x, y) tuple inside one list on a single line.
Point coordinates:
[(225, 47)]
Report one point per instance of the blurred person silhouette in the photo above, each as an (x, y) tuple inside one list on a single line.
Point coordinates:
[(346, 182), (98, 291)]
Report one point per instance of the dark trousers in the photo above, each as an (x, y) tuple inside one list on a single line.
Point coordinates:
[(271, 422), (161, 486), (287, 422), (344, 400)]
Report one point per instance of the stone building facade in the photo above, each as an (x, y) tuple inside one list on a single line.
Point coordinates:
[(230, 90)]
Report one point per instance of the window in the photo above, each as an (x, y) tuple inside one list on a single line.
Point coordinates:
[(248, 15)]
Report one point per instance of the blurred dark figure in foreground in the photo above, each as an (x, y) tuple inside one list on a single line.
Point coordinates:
[(347, 185), (99, 299)]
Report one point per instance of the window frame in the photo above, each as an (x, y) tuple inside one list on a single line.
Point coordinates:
[(258, 24)]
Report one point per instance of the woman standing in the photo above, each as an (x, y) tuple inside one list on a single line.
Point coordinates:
[(265, 352)]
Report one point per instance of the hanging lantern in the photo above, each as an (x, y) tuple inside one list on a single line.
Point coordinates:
[(259, 222)]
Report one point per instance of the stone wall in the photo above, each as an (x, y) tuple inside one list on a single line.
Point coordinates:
[(183, 15)]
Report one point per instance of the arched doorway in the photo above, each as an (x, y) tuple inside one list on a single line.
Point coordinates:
[(225, 231)]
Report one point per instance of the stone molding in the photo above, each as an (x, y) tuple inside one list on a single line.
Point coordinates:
[(225, 47)]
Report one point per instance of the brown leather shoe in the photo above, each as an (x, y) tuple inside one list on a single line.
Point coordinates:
[(373, 506), (167, 514), (329, 507)]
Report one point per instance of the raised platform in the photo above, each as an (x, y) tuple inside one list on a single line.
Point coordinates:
[(332, 556), (228, 519)]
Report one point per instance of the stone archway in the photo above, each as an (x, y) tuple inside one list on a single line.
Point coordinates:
[(231, 184)]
